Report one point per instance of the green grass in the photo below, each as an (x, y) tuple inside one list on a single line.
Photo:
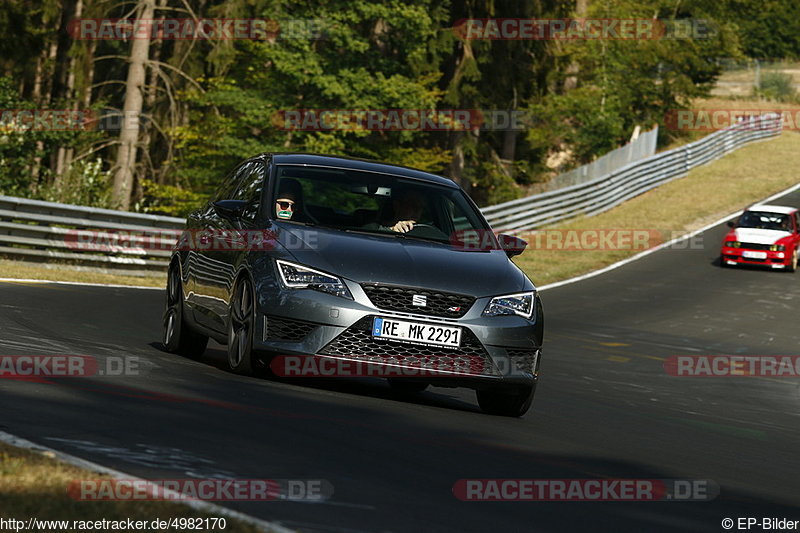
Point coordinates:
[(34, 484), (24, 270)]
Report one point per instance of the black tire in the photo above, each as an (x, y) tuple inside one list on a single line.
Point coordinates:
[(177, 336), (792, 266), (506, 403), (406, 386), (240, 328)]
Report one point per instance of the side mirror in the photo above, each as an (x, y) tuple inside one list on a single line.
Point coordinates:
[(511, 245), (731, 223), (229, 208)]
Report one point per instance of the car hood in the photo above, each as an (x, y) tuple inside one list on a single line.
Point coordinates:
[(365, 258), (760, 236)]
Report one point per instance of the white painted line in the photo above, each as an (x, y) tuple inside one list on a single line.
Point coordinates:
[(202, 506), (638, 256), (81, 283)]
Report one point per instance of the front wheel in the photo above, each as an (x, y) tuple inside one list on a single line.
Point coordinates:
[(240, 328), (513, 403), (177, 336), (792, 266)]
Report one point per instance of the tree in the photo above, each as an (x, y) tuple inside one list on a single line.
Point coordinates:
[(132, 110)]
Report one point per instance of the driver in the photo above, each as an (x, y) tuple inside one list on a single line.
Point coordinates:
[(407, 206)]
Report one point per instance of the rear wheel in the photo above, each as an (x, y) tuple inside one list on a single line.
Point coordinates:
[(177, 336), (506, 403), (240, 328)]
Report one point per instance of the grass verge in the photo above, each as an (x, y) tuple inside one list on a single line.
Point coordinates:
[(676, 208), (24, 270), (34, 484)]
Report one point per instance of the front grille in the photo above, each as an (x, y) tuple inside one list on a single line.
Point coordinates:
[(357, 343), (285, 329), (522, 360), (755, 246), (437, 303)]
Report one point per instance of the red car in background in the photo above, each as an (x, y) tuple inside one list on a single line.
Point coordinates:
[(767, 235)]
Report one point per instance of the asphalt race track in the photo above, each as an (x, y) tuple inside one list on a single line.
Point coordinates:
[(605, 408)]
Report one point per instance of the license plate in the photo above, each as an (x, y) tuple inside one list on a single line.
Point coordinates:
[(754, 255), (416, 332)]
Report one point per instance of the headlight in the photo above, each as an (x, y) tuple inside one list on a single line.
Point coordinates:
[(296, 276), (777, 248), (733, 244), (521, 304)]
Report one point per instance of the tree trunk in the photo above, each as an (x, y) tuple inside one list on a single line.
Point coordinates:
[(65, 155), (63, 62), (571, 81), (129, 134), (150, 98)]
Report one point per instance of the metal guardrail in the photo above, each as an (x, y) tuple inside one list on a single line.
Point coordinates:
[(640, 148), (605, 192), (34, 230)]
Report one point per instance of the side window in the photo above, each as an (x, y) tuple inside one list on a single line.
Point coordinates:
[(797, 221), (250, 183), (457, 217), (228, 186)]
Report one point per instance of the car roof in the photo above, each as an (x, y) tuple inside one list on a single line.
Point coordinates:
[(772, 209), (357, 164)]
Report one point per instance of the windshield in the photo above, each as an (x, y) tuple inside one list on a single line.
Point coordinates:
[(763, 220), (370, 202)]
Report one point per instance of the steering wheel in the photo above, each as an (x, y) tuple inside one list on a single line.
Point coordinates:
[(427, 230)]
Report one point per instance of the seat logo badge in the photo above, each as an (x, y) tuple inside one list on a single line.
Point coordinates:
[(419, 300)]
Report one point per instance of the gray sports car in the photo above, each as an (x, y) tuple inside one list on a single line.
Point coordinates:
[(356, 262)]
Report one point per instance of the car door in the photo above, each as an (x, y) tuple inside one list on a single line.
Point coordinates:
[(209, 273), (232, 240)]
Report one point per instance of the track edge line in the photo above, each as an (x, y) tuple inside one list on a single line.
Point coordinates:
[(19, 442)]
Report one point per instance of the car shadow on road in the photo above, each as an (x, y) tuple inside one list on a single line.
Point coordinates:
[(215, 356)]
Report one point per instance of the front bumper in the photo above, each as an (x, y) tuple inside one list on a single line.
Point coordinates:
[(772, 259), (495, 351)]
